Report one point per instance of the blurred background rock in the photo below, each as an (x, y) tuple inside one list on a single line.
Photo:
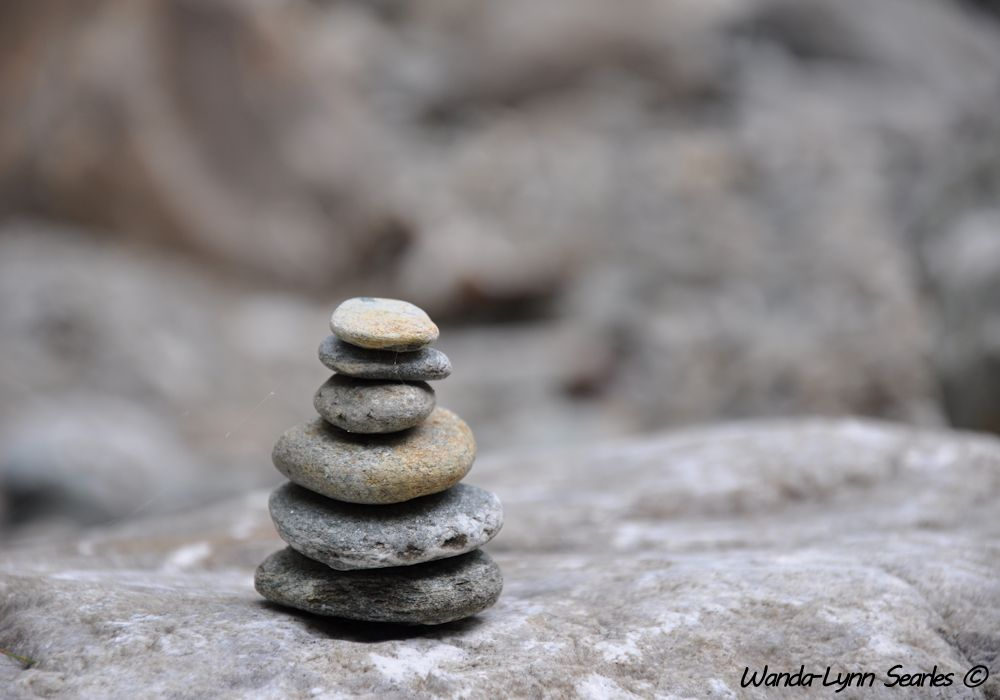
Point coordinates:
[(625, 216)]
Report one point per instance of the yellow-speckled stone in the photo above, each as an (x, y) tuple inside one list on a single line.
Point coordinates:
[(383, 324), (390, 468)]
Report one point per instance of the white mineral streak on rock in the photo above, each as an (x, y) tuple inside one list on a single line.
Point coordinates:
[(418, 664), (187, 556)]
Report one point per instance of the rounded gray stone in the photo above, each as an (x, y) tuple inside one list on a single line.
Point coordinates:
[(426, 364), (383, 324), (424, 594), (352, 536), (388, 468), (373, 405)]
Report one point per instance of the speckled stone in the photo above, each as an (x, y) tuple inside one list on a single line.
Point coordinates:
[(383, 324), (426, 364), (390, 468), (425, 594), (372, 405), (351, 536)]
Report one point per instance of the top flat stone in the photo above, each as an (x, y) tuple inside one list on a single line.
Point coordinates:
[(383, 324)]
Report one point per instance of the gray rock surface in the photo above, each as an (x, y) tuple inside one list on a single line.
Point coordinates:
[(383, 324), (390, 468), (351, 536), (761, 244), (104, 321), (652, 567), (372, 405), (432, 593), (426, 364), (91, 459), (963, 267)]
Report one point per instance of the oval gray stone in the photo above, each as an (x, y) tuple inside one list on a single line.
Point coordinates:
[(351, 536), (425, 594), (389, 468), (426, 364), (372, 405), (383, 324)]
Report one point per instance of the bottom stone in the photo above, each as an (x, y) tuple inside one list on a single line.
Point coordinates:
[(424, 594)]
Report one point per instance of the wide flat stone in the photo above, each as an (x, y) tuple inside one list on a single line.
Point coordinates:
[(383, 324), (424, 594), (352, 536), (650, 567), (373, 405), (390, 468), (426, 364)]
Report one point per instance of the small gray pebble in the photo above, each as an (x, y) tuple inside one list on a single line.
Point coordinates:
[(425, 594), (351, 536), (426, 364), (372, 405)]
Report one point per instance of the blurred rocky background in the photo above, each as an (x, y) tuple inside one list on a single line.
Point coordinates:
[(625, 217)]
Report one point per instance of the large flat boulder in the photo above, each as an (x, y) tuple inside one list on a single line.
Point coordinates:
[(661, 567)]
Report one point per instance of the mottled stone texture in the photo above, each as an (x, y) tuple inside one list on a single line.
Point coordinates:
[(391, 468), (373, 406), (657, 567), (352, 536), (726, 192), (383, 324), (423, 594), (426, 364)]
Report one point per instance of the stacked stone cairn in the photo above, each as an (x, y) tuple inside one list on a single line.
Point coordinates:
[(377, 524)]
